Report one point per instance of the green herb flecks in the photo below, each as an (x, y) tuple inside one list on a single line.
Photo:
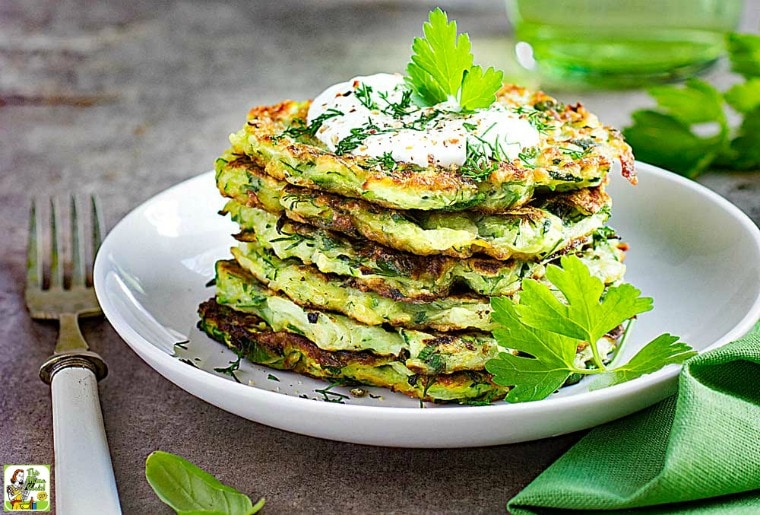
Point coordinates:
[(422, 122), (477, 165), (330, 396), (300, 128), (547, 333), (230, 370), (482, 157), (188, 489), (442, 68), (430, 356), (357, 137), (385, 161), (540, 120), (689, 131), (575, 154), (398, 109), (528, 156), (363, 94)]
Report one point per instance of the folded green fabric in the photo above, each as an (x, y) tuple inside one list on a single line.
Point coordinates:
[(696, 452)]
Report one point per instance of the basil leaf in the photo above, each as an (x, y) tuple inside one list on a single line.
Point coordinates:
[(191, 490)]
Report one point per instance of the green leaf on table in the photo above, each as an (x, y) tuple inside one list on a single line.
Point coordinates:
[(546, 328), (663, 140), (744, 96), (441, 69), (689, 132), (188, 489), (745, 147), (744, 53), (666, 348), (696, 102)]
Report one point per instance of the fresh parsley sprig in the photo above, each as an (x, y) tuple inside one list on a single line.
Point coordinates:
[(441, 69), (547, 333), (689, 131)]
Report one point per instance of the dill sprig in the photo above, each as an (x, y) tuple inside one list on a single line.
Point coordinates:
[(363, 94), (299, 127), (357, 137), (528, 156), (385, 161), (538, 119)]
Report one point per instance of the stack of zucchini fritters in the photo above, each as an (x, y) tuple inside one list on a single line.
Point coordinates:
[(366, 271)]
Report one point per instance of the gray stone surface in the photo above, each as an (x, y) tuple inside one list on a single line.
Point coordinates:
[(125, 99)]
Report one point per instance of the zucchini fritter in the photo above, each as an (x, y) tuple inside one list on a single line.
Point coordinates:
[(575, 151), (246, 333), (308, 287), (398, 275), (546, 226)]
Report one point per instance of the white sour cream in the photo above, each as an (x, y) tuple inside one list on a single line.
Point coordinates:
[(439, 135)]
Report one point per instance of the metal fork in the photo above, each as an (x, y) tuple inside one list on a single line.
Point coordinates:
[(59, 287)]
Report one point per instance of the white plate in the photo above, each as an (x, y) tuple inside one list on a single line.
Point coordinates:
[(694, 252)]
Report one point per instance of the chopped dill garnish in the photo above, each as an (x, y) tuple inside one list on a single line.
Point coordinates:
[(422, 121), (364, 96), (188, 362), (538, 119), (385, 161), (398, 109), (272, 377), (357, 137), (576, 154), (528, 156), (481, 157), (329, 396), (231, 369), (299, 127)]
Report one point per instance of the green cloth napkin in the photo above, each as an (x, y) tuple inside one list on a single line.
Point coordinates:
[(696, 452)]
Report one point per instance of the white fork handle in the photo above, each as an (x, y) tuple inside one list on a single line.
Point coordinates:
[(84, 479)]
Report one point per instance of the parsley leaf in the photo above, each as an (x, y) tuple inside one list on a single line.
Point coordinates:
[(665, 348), (665, 141), (479, 87), (585, 316), (745, 96), (668, 138), (441, 69), (689, 132), (745, 147), (536, 378), (696, 102), (744, 52), (546, 333)]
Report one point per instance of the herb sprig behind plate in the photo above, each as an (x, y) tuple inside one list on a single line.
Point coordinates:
[(690, 131), (548, 332)]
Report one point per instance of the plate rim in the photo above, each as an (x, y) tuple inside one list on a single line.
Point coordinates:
[(660, 379)]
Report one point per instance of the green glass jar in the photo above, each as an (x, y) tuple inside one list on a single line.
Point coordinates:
[(619, 43)]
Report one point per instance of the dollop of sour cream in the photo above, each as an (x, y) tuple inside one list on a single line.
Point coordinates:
[(372, 116)]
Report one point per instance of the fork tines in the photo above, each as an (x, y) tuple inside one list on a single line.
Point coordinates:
[(62, 243)]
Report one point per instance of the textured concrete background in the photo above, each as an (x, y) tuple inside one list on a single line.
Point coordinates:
[(126, 98)]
